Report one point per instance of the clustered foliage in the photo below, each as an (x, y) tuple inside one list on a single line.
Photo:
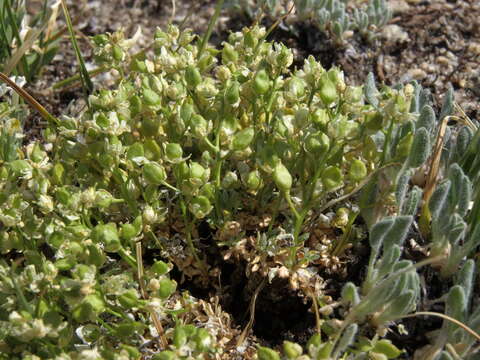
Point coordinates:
[(19, 30), (192, 135), (335, 17)]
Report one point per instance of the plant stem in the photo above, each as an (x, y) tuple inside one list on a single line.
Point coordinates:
[(211, 24)]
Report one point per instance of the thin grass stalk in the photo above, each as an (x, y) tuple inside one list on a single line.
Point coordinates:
[(85, 77)]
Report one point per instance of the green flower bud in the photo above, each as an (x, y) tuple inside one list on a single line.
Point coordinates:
[(232, 94), (198, 125), (295, 89), (181, 171), (328, 90), (192, 76), (332, 178), (292, 350), (265, 353), (317, 143), (282, 178), (200, 206), (261, 82), (100, 40), (198, 174), (254, 180), (151, 98), (230, 180), (117, 53), (167, 288), (250, 39), (229, 54), (154, 173), (357, 171), (128, 232), (173, 152), (129, 299), (242, 139), (320, 118), (107, 234), (301, 117), (160, 268), (186, 112)]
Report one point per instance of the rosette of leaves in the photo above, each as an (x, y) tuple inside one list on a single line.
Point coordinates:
[(410, 145), (336, 17)]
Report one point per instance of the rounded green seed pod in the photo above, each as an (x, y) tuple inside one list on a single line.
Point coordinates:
[(332, 178), (200, 206), (229, 54), (282, 178), (173, 151), (261, 82), (108, 235), (232, 94), (117, 52), (317, 143), (254, 180), (357, 171), (151, 98), (242, 139), (292, 350), (327, 91), (192, 76), (154, 173), (265, 353), (167, 288), (160, 268)]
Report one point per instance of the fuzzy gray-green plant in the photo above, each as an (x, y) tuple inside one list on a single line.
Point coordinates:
[(335, 17)]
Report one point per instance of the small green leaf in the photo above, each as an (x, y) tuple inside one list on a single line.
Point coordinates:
[(154, 173), (420, 149), (370, 90)]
